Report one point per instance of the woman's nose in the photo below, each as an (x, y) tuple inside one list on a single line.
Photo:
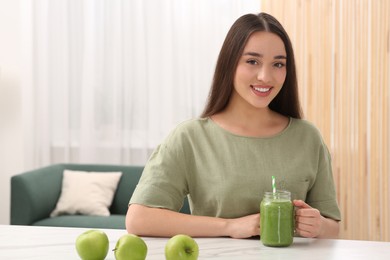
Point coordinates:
[(264, 74)]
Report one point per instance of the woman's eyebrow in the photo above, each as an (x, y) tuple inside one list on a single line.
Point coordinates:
[(255, 54), (279, 57)]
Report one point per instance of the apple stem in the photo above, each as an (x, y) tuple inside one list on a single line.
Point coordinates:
[(189, 251)]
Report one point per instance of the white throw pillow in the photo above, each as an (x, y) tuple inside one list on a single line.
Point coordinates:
[(86, 193)]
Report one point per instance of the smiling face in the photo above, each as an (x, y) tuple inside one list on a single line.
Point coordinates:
[(260, 72)]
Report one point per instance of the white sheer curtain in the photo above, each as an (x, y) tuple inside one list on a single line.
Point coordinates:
[(106, 80)]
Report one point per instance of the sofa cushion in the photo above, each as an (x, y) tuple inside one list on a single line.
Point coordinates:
[(113, 221), (87, 193)]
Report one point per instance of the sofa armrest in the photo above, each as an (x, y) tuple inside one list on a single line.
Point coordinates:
[(34, 194)]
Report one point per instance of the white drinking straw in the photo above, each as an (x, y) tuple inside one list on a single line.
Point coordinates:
[(273, 185)]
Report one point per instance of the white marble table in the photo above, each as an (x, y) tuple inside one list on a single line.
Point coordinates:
[(27, 242)]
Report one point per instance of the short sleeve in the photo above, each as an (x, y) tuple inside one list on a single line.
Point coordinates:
[(163, 183), (322, 194)]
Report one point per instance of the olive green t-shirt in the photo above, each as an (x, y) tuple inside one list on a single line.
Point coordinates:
[(226, 175)]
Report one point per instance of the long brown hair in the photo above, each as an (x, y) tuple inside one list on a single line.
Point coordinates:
[(287, 101)]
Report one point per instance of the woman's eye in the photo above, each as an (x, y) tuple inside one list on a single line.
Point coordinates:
[(252, 62), (279, 65)]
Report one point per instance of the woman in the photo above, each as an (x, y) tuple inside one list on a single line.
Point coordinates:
[(251, 129)]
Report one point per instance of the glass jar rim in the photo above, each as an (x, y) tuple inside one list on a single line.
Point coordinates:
[(279, 194)]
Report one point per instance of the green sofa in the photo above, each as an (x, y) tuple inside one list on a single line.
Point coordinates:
[(34, 195)]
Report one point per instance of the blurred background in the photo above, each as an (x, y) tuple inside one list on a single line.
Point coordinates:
[(104, 81)]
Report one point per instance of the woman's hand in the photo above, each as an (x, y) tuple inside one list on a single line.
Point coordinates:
[(310, 223), (244, 227)]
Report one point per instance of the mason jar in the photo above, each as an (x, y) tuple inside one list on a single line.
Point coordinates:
[(277, 219)]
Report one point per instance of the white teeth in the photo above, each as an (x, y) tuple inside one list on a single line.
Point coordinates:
[(262, 89)]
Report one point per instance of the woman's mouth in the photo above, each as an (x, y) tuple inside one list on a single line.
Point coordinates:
[(261, 91)]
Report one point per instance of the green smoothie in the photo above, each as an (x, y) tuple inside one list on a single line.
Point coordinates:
[(277, 221)]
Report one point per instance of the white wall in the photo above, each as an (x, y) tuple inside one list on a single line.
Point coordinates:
[(10, 102)]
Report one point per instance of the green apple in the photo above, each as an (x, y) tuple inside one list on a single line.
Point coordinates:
[(92, 245), (130, 247), (181, 247)]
